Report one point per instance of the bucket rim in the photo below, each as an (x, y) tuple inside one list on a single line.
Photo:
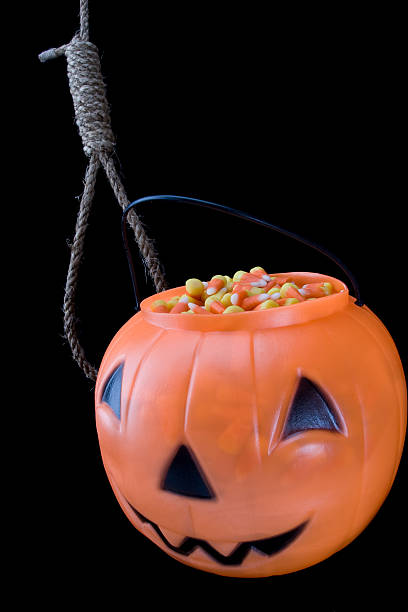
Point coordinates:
[(303, 312)]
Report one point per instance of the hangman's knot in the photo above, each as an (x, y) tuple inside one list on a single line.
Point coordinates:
[(88, 93)]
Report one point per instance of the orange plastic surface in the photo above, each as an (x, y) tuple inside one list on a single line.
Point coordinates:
[(222, 385)]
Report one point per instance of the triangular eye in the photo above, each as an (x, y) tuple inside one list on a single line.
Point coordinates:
[(310, 409), (112, 391), (183, 476)]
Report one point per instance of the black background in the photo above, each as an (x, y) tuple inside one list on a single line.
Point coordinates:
[(299, 126)]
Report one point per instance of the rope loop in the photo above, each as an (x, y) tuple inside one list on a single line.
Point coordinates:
[(92, 117)]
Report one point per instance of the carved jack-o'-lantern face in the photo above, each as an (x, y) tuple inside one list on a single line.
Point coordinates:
[(256, 443)]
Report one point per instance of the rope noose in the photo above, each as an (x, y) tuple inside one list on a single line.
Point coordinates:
[(93, 120)]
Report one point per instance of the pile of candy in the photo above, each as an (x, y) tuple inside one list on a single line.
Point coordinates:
[(253, 290)]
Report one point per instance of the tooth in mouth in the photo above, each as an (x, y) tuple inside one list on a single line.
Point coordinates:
[(267, 546)]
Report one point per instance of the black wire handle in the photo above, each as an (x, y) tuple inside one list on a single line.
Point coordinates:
[(234, 213)]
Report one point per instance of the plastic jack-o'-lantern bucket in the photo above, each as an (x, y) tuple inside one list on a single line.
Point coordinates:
[(256, 443)]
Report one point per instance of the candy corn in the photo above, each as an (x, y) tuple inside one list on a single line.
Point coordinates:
[(194, 287), (238, 296), (316, 289), (160, 306), (250, 302)]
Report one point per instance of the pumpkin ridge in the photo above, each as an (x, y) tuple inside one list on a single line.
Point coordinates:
[(387, 358), (193, 371), (146, 352)]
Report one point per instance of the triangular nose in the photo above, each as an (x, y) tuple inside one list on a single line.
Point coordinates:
[(185, 477)]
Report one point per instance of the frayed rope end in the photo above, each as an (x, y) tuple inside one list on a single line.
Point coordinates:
[(51, 54)]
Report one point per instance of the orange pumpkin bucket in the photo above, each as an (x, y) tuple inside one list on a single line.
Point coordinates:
[(254, 443)]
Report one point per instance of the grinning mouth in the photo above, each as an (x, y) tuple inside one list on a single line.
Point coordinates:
[(267, 546)]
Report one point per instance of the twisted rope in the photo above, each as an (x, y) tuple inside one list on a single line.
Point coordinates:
[(92, 117)]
